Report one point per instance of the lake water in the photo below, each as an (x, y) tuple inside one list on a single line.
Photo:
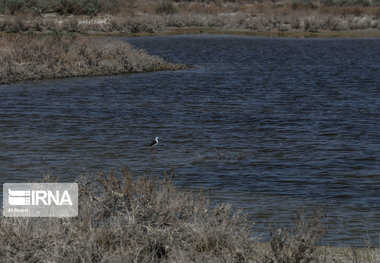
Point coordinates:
[(268, 125)]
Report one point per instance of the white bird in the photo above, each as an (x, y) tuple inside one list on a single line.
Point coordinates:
[(154, 143)]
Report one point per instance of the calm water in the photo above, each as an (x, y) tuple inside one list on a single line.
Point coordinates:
[(266, 124)]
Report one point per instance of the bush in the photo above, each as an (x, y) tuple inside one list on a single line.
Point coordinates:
[(126, 219), (299, 246), (13, 5), (166, 7), (346, 2), (44, 5), (78, 7)]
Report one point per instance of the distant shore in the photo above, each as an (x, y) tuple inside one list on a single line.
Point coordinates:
[(230, 23), (24, 56), (28, 26), (280, 18)]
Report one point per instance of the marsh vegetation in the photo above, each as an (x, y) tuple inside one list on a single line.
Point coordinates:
[(125, 218), (148, 16), (31, 57)]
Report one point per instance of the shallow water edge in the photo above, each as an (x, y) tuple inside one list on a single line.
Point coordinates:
[(172, 31)]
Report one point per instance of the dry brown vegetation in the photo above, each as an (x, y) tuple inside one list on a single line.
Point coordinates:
[(299, 246), (123, 218), (150, 16), (126, 219), (30, 57)]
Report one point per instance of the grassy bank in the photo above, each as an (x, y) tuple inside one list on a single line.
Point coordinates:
[(150, 16), (146, 219), (31, 57)]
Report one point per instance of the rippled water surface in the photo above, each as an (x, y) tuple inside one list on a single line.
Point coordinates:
[(266, 124)]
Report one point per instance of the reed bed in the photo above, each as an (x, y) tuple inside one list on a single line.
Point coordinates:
[(32, 57)]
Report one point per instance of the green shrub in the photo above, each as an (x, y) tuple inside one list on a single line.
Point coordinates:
[(347, 2), (12, 6), (45, 5), (111, 5), (166, 7), (79, 7), (76, 7)]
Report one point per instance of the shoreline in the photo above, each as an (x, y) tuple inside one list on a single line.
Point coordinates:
[(257, 20), (214, 30), (15, 69), (174, 31)]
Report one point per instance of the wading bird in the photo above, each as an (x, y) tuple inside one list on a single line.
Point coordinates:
[(154, 144)]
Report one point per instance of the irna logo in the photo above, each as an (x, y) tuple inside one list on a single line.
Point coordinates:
[(40, 199)]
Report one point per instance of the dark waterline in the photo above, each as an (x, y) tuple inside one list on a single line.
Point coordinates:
[(266, 124)]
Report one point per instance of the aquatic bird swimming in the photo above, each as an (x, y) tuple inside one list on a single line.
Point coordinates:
[(154, 143)]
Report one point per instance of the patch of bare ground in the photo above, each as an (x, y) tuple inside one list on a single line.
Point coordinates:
[(31, 57)]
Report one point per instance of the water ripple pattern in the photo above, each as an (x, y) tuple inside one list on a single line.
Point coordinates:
[(267, 124)]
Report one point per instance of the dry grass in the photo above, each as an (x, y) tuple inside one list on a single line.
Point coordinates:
[(151, 16), (300, 246), (29, 57), (126, 219), (123, 218), (354, 255)]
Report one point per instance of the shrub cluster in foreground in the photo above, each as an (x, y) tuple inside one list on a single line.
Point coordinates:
[(130, 220), (147, 219), (30, 57)]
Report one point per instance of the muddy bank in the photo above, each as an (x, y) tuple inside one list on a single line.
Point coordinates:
[(31, 57)]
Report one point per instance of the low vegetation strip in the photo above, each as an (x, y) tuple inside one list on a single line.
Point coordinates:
[(152, 16), (31, 57), (124, 218), (156, 23)]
